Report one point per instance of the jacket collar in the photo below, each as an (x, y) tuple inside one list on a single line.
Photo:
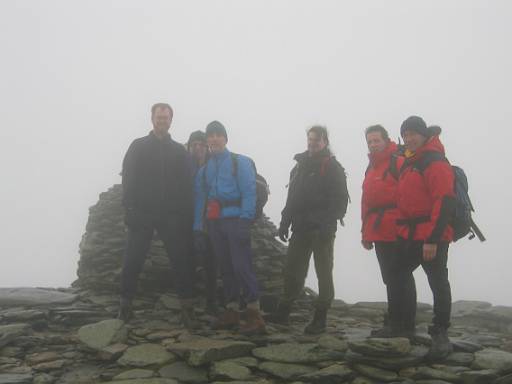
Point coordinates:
[(304, 156), (380, 157), (432, 145), (166, 138)]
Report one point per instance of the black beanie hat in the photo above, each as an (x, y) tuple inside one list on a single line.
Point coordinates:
[(416, 124), (197, 136), (216, 127)]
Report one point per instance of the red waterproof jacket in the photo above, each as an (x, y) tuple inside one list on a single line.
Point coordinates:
[(379, 211), (426, 197)]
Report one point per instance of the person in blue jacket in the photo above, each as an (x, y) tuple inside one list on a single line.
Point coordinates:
[(225, 207)]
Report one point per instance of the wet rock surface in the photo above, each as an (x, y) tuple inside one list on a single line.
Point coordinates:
[(69, 335)]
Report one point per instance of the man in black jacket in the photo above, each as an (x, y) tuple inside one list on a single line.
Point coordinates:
[(158, 195), (317, 199)]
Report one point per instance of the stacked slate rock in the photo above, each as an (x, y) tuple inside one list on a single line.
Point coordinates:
[(102, 248)]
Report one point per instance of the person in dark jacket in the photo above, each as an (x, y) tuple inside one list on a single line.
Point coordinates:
[(379, 210), (317, 199), (426, 203), (203, 252), (157, 195), (225, 208)]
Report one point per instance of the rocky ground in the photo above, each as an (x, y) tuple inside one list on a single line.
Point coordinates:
[(71, 336)]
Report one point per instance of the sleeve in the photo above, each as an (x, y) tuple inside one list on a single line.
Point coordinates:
[(364, 206), (199, 200), (439, 179), (128, 175), (286, 213), (247, 184), (188, 187), (337, 192)]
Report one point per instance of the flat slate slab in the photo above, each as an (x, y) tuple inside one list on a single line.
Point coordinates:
[(203, 351), (12, 297)]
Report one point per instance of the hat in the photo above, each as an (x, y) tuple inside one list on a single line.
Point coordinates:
[(197, 136), (216, 127), (416, 124)]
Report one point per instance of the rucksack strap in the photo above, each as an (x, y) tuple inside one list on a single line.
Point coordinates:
[(324, 165), (412, 223), (427, 159), (476, 231), (380, 214)]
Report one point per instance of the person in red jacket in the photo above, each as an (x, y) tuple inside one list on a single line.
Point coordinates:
[(379, 211), (426, 203)]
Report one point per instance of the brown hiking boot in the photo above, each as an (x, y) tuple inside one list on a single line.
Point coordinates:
[(255, 325), (229, 319)]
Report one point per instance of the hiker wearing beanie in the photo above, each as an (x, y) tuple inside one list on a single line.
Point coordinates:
[(157, 195), (426, 202), (317, 199), (379, 210), (204, 259), (225, 207)]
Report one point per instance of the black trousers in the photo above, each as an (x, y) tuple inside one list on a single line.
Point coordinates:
[(205, 259), (386, 253), (402, 288), (176, 234)]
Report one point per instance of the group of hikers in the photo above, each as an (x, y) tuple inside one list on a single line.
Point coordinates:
[(202, 200)]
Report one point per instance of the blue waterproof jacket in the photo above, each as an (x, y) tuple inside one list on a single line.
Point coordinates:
[(221, 184)]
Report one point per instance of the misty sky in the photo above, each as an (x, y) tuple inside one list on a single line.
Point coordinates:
[(77, 79)]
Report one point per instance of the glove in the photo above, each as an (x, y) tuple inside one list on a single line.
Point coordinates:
[(283, 233)]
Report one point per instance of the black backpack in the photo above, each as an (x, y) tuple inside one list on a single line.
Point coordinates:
[(462, 221), (262, 187)]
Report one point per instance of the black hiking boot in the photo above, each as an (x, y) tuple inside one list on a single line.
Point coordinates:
[(280, 316), (441, 346), (318, 324), (125, 310)]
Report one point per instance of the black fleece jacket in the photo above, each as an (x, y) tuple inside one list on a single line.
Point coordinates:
[(317, 193), (157, 177)]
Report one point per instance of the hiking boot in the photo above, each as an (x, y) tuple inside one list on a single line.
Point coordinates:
[(254, 325), (125, 310), (441, 346), (281, 315), (229, 319), (318, 324), (188, 315)]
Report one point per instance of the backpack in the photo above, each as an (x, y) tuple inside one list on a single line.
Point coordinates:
[(462, 221), (262, 187)]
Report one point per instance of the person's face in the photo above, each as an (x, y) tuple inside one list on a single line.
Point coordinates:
[(376, 142), (216, 142), (161, 120), (198, 149), (316, 143), (413, 140)]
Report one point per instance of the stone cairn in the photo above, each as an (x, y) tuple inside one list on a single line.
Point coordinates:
[(71, 336), (102, 248)]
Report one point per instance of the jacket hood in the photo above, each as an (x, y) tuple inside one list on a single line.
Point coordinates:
[(432, 145), (379, 157)]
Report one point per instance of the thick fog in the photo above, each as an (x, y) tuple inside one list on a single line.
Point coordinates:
[(77, 79)]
